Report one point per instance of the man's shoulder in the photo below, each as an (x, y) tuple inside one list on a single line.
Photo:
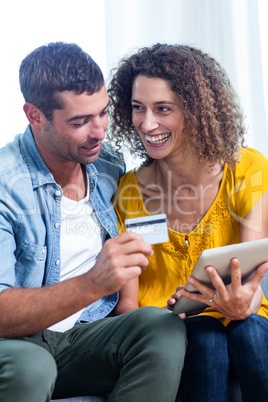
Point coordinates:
[(11, 157), (109, 153), (110, 161)]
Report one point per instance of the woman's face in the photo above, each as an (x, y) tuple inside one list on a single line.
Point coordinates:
[(157, 116)]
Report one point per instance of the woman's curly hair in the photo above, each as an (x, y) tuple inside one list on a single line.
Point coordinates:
[(212, 115)]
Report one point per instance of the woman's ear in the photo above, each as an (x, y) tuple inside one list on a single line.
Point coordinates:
[(35, 117)]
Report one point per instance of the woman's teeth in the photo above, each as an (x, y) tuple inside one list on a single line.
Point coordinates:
[(157, 139)]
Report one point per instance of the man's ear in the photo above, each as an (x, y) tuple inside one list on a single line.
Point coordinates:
[(34, 115)]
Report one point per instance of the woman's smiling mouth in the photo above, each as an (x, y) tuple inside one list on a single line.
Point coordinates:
[(157, 139)]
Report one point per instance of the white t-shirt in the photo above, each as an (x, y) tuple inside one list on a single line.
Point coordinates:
[(82, 238)]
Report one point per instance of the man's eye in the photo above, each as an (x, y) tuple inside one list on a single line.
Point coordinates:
[(104, 112), (77, 125)]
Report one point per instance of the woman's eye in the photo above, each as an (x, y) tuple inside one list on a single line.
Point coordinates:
[(136, 107), (164, 109)]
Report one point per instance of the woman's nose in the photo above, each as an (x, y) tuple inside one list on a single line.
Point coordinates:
[(149, 122)]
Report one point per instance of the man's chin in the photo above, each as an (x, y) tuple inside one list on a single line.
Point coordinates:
[(91, 158)]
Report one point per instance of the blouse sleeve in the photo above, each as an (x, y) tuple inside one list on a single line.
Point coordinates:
[(250, 180), (128, 202)]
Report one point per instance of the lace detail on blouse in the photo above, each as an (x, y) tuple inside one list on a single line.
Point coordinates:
[(201, 238)]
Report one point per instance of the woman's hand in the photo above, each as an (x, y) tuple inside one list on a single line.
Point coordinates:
[(235, 301), (172, 301)]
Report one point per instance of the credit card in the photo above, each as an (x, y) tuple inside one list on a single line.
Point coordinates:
[(153, 228)]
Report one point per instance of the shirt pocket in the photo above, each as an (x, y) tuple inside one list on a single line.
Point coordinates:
[(30, 265)]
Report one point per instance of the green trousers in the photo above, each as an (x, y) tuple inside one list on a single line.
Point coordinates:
[(137, 356)]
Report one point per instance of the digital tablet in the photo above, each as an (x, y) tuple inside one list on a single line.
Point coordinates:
[(251, 254)]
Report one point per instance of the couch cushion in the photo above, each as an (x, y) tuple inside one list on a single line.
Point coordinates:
[(82, 399)]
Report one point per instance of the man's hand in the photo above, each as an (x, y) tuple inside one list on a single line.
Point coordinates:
[(122, 258), (28, 311)]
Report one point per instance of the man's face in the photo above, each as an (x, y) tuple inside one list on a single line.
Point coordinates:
[(76, 131)]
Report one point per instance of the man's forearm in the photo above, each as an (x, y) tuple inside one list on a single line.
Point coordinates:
[(28, 311)]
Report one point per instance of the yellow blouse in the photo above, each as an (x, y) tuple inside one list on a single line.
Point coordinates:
[(173, 262)]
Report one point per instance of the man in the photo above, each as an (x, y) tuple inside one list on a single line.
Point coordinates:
[(61, 261)]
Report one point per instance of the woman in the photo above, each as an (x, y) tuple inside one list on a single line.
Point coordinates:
[(175, 107)]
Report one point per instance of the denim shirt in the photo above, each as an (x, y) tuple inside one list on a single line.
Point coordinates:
[(30, 217)]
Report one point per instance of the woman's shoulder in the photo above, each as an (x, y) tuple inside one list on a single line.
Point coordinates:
[(251, 160), (128, 178), (128, 201), (128, 188), (249, 175)]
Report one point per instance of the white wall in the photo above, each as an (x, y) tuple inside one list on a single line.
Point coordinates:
[(27, 24), (109, 29)]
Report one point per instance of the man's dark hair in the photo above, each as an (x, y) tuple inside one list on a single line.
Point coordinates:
[(54, 68)]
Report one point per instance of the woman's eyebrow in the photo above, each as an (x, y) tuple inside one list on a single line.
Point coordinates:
[(156, 103)]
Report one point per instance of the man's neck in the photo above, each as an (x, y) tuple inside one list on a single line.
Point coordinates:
[(73, 182)]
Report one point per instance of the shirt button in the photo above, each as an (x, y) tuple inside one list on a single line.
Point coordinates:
[(56, 225), (58, 193), (58, 262)]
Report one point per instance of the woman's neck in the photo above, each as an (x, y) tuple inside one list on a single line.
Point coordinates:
[(189, 173), (185, 193)]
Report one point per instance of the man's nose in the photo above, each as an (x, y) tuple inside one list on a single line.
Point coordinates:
[(99, 126)]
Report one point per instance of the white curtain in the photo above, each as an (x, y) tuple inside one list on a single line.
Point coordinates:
[(227, 29)]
